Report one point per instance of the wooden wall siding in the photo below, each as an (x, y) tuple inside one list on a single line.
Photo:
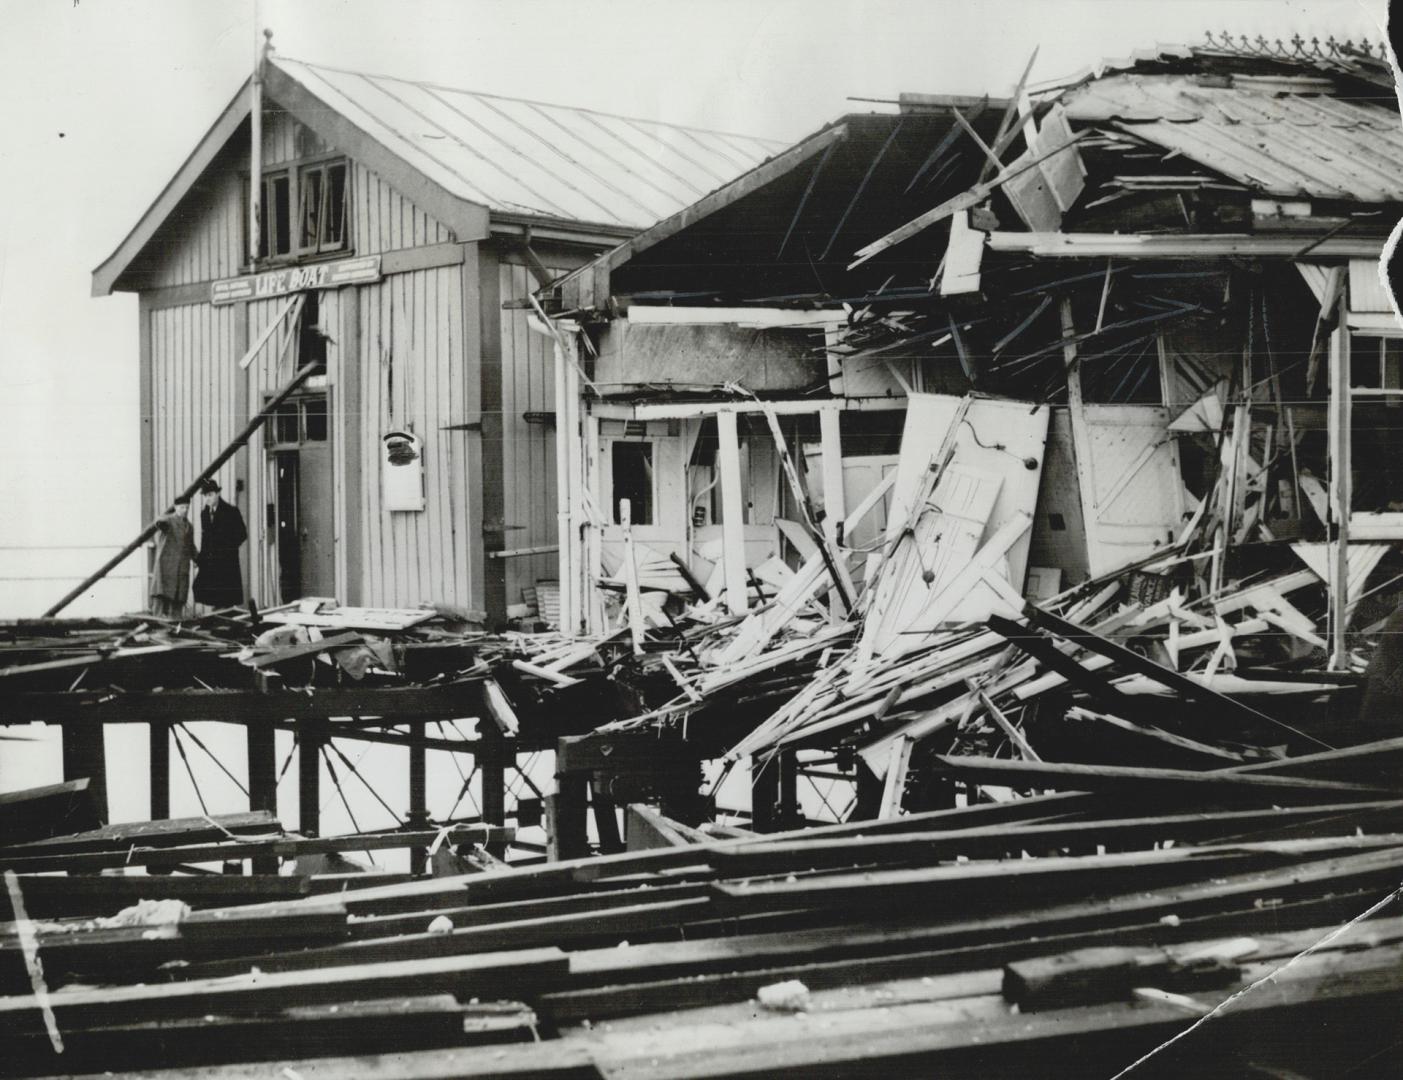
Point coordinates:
[(413, 376), (192, 396), (284, 139), (387, 221), (203, 240), (528, 451)]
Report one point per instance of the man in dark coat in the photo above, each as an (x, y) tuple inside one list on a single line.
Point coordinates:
[(170, 569), (219, 582)]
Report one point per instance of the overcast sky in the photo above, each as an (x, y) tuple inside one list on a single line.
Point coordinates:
[(101, 100)]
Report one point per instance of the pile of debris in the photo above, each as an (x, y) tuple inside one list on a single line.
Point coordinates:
[(1089, 924)]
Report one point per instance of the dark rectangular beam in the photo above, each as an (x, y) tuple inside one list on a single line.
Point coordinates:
[(283, 847), (94, 707)]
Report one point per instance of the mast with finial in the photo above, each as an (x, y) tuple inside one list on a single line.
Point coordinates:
[(255, 171)]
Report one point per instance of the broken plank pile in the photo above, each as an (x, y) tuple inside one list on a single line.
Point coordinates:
[(109, 868), (1073, 927), (1158, 663)]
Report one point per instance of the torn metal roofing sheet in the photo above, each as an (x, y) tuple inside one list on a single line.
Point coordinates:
[(1289, 144), (526, 157)]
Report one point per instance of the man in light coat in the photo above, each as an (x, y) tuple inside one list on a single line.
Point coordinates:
[(170, 569)]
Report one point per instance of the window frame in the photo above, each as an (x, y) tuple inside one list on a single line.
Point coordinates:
[(294, 174), (613, 502)]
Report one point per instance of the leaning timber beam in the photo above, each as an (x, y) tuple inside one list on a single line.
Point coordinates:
[(209, 470)]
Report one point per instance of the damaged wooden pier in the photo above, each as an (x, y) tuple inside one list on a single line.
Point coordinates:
[(983, 663)]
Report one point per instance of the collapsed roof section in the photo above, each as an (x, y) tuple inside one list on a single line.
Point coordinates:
[(1237, 151)]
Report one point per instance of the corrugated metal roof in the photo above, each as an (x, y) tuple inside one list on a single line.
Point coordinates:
[(1287, 144), (526, 157)]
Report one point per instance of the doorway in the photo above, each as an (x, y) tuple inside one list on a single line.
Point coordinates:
[(300, 515)]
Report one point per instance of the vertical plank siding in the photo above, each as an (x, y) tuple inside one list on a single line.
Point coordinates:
[(383, 220), (203, 240), (412, 378), (528, 452), (192, 395)]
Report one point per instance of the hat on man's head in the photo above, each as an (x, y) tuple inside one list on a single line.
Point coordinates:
[(206, 486)]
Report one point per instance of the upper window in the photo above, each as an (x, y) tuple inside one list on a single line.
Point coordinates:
[(304, 211)]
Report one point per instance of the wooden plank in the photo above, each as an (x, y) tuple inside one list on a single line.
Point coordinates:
[(645, 829), (387, 1026), (565, 930), (421, 257), (1017, 882), (465, 976), (981, 1036), (1180, 684), (1149, 783), (485, 914), (1197, 246), (42, 812), (661, 976), (168, 832), (93, 708), (995, 841), (284, 847), (52, 897)]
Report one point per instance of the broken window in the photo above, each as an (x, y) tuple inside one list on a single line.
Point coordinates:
[(300, 420), (276, 236), (314, 419), (304, 211), (322, 191), (632, 464), (1376, 394)]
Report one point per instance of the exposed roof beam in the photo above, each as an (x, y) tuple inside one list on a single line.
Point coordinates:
[(641, 315), (1182, 246), (597, 273)]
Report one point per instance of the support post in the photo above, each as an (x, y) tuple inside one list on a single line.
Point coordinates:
[(567, 836), (1341, 493), (309, 775), (1081, 442), (418, 816), (347, 400), (160, 769), (262, 780), (492, 760), (564, 526), (606, 821), (774, 802), (85, 755), (732, 512), (592, 605), (834, 504)]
